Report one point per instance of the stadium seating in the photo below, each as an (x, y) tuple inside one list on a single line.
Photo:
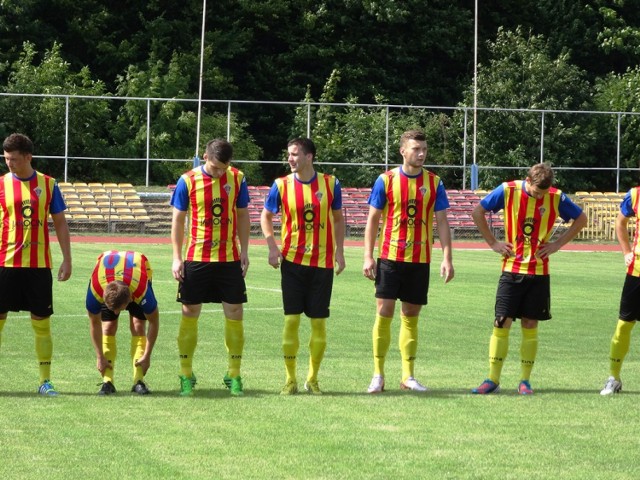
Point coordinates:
[(103, 206)]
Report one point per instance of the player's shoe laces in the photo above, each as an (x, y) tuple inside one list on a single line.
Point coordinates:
[(47, 389), (525, 388), (312, 387), (487, 387), (290, 388), (412, 384), (612, 386), (140, 388), (376, 385), (187, 384), (106, 388)]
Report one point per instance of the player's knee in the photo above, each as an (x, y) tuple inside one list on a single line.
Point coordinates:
[(500, 321)]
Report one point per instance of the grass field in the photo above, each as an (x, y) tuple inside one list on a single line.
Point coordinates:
[(566, 430)]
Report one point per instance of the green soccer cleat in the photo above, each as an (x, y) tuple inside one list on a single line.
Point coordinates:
[(291, 388), (187, 384), (47, 389), (312, 387)]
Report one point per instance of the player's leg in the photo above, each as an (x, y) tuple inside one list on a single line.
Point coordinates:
[(234, 343), (629, 312)]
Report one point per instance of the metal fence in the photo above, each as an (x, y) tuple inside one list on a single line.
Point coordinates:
[(467, 165)]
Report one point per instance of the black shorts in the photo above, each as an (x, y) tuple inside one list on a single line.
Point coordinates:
[(212, 282), (133, 308), (630, 299), (527, 296), (408, 282), (306, 289), (26, 290)]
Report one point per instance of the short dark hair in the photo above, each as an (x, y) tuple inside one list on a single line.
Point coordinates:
[(417, 135), (18, 142), (541, 175), (116, 293), (304, 144), (220, 149)]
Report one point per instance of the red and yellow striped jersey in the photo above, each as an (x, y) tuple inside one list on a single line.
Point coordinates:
[(632, 199), (528, 223), (212, 232), (24, 219), (308, 234), (130, 267), (407, 216)]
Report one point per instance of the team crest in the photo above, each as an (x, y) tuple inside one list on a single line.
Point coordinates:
[(319, 196), (37, 191), (227, 188), (423, 190), (542, 210)]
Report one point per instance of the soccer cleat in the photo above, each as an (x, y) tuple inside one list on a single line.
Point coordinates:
[(187, 384), (227, 380), (487, 387), (291, 388), (236, 386), (612, 386), (412, 384), (376, 385), (525, 388), (312, 387), (47, 389), (107, 388), (140, 388)]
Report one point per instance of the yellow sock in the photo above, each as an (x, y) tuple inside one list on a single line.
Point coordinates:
[(498, 349), (44, 346), (620, 346), (187, 341), (317, 346), (234, 341), (109, 350), (528, 350), (138, 345), (381, 342), (290, 345), (408, 343), (2, 322)]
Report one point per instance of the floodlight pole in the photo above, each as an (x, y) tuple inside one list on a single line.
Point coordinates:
[(196, 158), (474, 167)]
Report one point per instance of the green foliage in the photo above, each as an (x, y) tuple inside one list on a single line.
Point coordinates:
[(357, 135), (522, 75), (43, 119)]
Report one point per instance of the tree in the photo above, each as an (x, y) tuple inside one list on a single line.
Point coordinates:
[(522, 75), (43, 118)]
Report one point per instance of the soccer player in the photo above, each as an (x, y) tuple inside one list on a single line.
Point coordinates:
[(406, 198), (121, 280), (215, 197), (27, 199), (629, 310), (531, 207), (312, 248)]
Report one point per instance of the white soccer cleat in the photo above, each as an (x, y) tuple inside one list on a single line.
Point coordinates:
[(612, 386), (412, 384), (376, 385)]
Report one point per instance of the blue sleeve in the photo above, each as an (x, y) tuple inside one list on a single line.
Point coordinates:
[(243, 196), (442, 201), (272, 202), (57, 201), (494, 202), (92, 303), (378, 197), (567, 209), (149, 302), (626, 208), (180, 196), (337, 196)]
